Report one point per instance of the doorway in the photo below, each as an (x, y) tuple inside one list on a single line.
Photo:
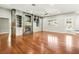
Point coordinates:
[(27, 25)]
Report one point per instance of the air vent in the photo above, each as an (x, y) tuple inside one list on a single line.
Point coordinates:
[(46, 13), (33, 4)]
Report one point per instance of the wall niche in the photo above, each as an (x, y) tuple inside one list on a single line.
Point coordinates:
[(19, 21), (36, 19)]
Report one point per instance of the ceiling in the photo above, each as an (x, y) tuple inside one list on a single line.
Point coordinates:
[(43, 9)]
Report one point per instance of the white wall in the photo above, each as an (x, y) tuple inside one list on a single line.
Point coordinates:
[(61, 23), (40, 24), (5, 13), (77, 23)]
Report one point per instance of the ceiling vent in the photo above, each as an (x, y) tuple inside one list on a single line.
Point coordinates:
[(46, 13), (33, 4)]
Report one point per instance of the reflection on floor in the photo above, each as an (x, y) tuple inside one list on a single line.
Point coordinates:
[(4, 43), (44, 43)]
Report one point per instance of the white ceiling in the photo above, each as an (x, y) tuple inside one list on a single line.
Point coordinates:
[(43, 9)]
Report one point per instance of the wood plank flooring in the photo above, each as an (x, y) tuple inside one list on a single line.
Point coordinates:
[(44, 43)]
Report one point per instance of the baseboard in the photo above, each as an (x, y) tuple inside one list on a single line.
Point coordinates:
[(59, 32)]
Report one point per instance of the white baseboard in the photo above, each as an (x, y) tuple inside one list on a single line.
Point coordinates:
[(4, 32)]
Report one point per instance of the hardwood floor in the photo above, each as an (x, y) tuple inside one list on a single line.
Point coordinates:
[(3, 42), (44, 43)]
